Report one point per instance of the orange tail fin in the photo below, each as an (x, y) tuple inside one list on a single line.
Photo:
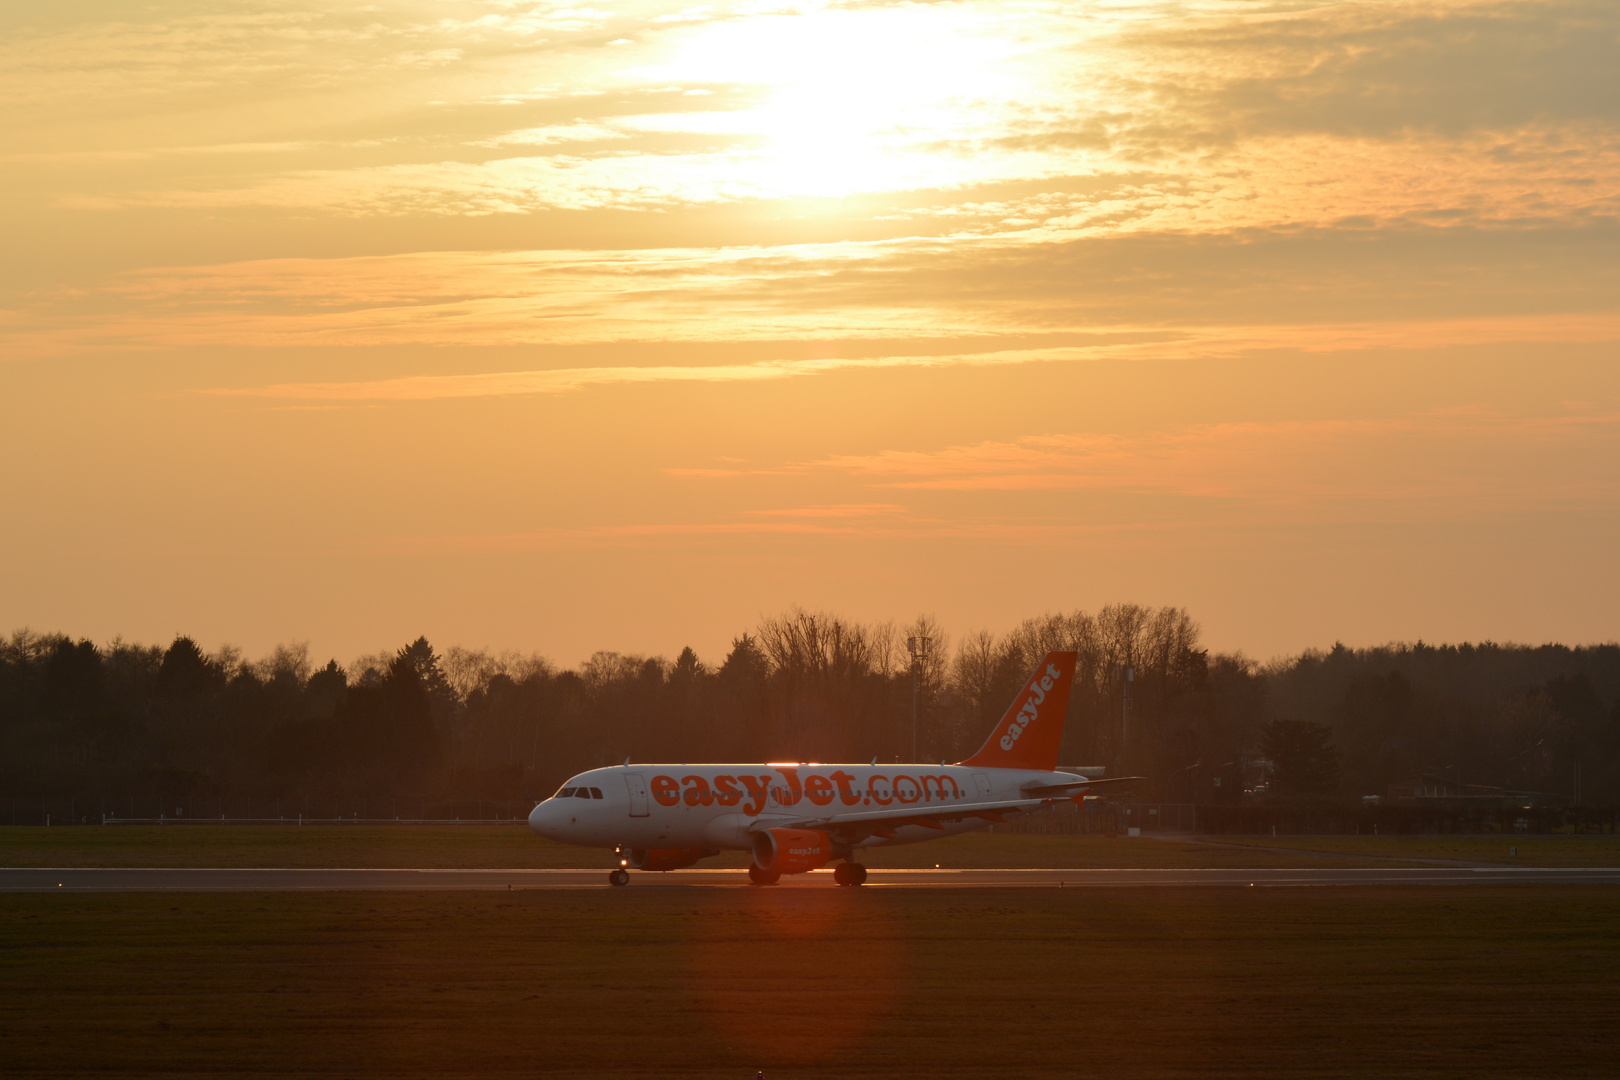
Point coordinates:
[(1029, 735)]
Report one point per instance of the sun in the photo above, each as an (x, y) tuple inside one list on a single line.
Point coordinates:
[(856, 101)]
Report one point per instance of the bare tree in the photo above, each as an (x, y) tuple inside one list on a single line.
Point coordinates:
[(290, 661), (823, 688)]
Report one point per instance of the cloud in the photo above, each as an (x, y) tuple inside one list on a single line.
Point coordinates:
[(1123, 343), (1144, 295), (897, 528), (552, 134), (839, 510), (1488, 112), (1034, 170), (1468, 463), (1536, 175), (1143, 171), (431, 58), (564, 380), (1385, 70), (1476, 457)]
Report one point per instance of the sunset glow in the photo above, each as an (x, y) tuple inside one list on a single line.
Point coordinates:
[(580, 327)]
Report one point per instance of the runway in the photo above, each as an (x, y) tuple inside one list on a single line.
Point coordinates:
[(82, 880)]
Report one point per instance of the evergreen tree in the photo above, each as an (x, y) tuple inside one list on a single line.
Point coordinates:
[(1303, 759)]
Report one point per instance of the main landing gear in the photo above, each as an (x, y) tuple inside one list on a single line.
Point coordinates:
[(849, 873), (619, 877)]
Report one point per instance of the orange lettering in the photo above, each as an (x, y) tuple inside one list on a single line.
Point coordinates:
[(759, 788), (819, 790), (794, 791), (725, 790), (666, 790), (872, 790), (846, 794), (915, 790), (697, 791)]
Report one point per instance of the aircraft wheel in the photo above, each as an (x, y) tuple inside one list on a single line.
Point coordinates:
[(619, 877), (857, 875), (762, 877), (841, 873)]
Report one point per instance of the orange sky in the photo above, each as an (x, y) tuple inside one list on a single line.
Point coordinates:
[(567, 328)]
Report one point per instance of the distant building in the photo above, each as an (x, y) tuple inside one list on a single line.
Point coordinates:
[(1433, 786)]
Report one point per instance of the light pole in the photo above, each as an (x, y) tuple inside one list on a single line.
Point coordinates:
[(917, 646)]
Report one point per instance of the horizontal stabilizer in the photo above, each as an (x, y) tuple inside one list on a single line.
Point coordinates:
[(1058, 791)]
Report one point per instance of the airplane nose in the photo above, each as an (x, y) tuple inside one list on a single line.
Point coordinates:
[(543, 818)]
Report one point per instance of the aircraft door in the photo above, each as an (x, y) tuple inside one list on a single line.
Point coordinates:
[(638, 793), (984, 784)]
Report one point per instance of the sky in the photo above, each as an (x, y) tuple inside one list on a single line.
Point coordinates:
[(621, 326)]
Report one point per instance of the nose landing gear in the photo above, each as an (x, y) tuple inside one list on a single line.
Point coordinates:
[(619, 877), (849, 873)]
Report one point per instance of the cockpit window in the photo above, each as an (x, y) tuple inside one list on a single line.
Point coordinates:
[(582, 793), (596, 793), (565, 793)]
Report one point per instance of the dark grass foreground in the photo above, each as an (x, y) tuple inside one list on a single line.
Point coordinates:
[(1389, 982)]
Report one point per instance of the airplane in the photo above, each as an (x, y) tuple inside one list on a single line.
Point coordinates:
[(797, 817)]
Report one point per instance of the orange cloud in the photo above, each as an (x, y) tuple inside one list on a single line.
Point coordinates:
[(1122, 343), (1459, 456), (436, 387), (1145, 295), (840, 510)]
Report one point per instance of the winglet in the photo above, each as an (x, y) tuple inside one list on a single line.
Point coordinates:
[(1029, 735)]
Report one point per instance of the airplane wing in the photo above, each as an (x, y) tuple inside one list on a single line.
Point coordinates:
[(884, 822)]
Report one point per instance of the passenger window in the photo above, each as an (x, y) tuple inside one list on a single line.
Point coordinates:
[(596, 793), (582, 793), (565, 793)]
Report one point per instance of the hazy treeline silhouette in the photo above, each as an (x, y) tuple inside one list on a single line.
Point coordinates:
[(133, 725)]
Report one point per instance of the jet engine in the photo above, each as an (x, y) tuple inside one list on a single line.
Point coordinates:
[(791, 851), (666, 858)]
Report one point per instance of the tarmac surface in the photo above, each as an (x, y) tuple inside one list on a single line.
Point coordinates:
[(45, 879)]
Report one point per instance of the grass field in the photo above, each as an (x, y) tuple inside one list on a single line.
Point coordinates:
[(1478, 982), (1532, 850), (508, 846)]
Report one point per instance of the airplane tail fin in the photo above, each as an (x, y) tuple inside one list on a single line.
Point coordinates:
[(1029, 735)]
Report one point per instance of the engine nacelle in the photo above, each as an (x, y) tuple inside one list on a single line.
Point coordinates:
[(665, 858), (791, 851)]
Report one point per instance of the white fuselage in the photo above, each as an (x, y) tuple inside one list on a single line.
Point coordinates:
[(723, 806)]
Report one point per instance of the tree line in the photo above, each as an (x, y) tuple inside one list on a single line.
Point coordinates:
[(140, 725)]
